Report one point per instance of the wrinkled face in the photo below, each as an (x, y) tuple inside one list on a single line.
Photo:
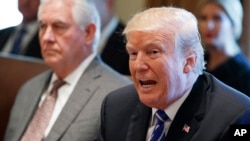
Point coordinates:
[(29, 9), (214, 24), (61, 38), (156, 68)]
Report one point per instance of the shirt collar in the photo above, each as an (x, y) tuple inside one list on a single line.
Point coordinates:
[(73, 77), (172, 109), (31, 27)]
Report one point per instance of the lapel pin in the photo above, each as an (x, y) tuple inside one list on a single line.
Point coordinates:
[(186, 128)]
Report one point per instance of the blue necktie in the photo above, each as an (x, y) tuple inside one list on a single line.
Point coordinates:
[(18, 41), (159, 132)]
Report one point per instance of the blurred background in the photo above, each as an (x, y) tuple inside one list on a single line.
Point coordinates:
[(9, 15)]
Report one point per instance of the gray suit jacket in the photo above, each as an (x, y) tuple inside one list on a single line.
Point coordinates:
[(209, 110), (80, 118)]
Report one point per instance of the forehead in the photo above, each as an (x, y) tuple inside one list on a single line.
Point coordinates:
[(138, 38), (217, 9), (56, 9)]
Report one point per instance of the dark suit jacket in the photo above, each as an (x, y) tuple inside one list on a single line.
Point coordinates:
[(235, 72), (114, 53), (209, 110), (33, 47)]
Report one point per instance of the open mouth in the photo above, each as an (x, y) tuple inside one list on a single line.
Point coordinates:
[(147, 83)]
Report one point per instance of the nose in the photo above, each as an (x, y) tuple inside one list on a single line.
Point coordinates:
[(210, 24), (141, 63), (47, 34)]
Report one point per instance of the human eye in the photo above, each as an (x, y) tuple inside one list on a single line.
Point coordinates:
[(217, 18), (60, 28), (154, 53), (132, 54), (202, 18), (42, 27)]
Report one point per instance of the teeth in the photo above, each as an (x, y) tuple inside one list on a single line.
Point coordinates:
[(146, 86)]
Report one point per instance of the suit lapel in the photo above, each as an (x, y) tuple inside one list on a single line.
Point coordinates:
[(80, 96), (5, 34), (191, 112), (35, 97), (139, 123)]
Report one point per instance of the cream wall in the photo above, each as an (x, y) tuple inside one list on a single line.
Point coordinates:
[(127, 8)]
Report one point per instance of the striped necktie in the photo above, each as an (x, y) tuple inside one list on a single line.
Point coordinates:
[(159, 132)]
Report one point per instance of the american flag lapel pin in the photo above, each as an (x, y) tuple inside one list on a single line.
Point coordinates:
[(186, 128)]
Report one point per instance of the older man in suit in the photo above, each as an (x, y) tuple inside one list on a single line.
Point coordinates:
[(68, 40), (11, 41), (172, 98)]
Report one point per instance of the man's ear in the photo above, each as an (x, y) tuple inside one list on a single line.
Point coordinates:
[(90, 33), (190, 63)]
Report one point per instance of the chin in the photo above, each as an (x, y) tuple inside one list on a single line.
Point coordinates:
[(210, 42), (50, 61), (149, 100)]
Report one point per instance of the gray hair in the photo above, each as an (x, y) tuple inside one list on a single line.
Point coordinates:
[(84, 12), (177, 22)]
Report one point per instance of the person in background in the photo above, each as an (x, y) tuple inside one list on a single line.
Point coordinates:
[(23, 38), (112, 43), (220, 24), (172, 97), (64, 103)]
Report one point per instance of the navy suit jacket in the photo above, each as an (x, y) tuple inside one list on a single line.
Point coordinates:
[(209, 110), (114, 53), (33, 47)]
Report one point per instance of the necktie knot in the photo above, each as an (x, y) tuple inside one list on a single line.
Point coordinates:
[(159, 129), (161, 116), (22, 30), (57, 84), (41, 119)]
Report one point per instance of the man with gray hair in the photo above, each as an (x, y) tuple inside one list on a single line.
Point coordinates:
[(64, 103), (172, 99)]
